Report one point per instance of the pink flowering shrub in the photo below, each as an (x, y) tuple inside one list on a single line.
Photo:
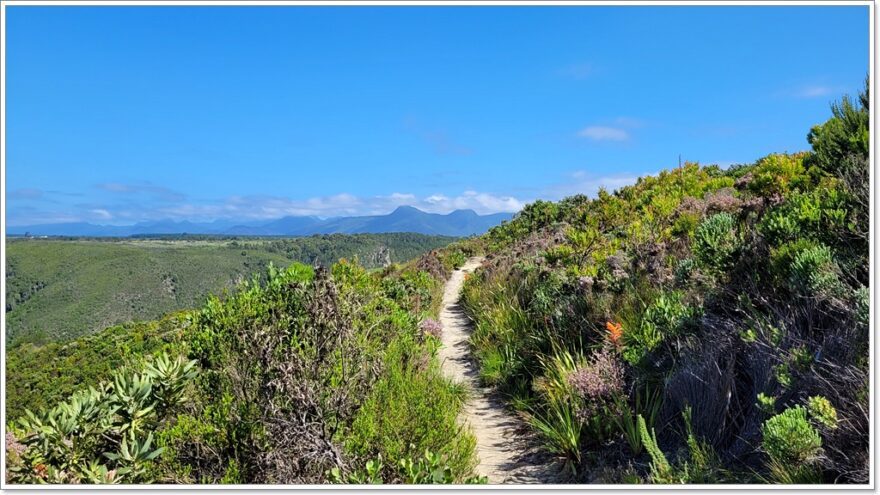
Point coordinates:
[(13, 446), (595, 388), (430, 326), (601, 379)]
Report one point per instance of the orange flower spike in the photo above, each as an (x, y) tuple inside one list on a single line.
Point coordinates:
[(615, 332)]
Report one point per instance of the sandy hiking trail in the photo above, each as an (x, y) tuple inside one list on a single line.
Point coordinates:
[(506, 450)]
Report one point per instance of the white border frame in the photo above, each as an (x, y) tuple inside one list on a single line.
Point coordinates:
[(427, 3)]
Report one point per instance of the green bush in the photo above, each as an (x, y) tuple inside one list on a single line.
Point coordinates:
[(329, 367), (779, 226), (777, 174), (821, 214), (663, 319), (821, 411), (716, 242), (412, 408), (844, 134), (789, 438), (793, 447), (808, 267), (561, 430), (428, 469), (813, 270)]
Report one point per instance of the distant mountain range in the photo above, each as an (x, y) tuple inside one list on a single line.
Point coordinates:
[(459, 223)]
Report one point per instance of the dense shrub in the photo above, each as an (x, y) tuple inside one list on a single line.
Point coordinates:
[(820, 214), (664, 318), (778, 174), (807, 267), (716, 242), (789, 437), (843, 135), (411, 408), (793, 446)]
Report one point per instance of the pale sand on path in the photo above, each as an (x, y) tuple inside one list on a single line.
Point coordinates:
[(506, 454)]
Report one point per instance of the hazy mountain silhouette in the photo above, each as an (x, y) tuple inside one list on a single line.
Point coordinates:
[(458, 223)]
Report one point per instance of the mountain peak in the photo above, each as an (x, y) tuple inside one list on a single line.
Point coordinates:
[(406, 218), (406, 209), (464, 213)]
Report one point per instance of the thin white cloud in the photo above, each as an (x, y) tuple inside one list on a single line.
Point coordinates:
[(436, 199), (471, 200), (588, 183), (403, 197), (578, 72), (101, 214), (159, 192), (812, 92), (604, 133), (630, 122), (809, 90), (26, 193)]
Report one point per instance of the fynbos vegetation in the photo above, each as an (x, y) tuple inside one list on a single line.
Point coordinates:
[(700, 326), (305, 376)]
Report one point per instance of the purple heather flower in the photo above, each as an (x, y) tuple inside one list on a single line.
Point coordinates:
[(600, 379), (431, 327), (12, 444)]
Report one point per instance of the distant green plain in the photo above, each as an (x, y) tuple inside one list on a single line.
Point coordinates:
[(57, 290)]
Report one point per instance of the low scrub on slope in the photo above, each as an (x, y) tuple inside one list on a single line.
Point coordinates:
[(702, 325), (305, 376)]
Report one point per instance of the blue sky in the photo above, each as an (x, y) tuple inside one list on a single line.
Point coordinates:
[(123, 114)]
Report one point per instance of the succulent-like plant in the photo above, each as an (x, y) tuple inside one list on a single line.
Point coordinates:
[(72, 442)]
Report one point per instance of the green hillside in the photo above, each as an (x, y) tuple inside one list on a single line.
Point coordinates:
[(288, 377), (700, 326), (38, 376), (61, 289)]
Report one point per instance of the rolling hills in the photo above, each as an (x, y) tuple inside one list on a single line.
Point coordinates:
[(59, 289)]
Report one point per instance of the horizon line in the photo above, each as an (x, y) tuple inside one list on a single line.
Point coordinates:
[(253, 221)]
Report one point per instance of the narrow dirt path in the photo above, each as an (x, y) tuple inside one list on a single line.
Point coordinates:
[(507, 454)]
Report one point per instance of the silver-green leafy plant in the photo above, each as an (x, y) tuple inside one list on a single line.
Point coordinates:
[(102, 434)]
